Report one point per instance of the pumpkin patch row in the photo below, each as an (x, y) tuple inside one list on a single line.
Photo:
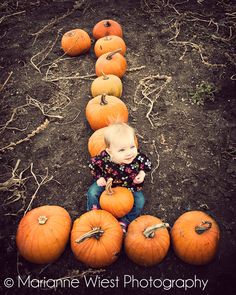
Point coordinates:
[(96, 237)]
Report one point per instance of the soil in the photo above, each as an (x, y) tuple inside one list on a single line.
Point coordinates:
[(192, 146)]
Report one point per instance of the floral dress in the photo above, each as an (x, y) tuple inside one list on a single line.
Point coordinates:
[(122, 174)]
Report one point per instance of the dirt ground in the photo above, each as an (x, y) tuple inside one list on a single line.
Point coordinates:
[(174, 50)]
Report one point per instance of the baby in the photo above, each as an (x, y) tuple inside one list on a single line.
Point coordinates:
[(122, 162)]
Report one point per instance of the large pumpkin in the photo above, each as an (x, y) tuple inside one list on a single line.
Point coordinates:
[(111, 63), (103, 110), (109, 84), (75, 42), (107, 27), (42, 234), (108, 44), (118, 200), (195, 237), (96, 143), (96, 238), (147, 240)]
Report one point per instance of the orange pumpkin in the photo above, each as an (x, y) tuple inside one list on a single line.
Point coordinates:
[(96, 143), (111, 63), (75, 42), (42, 234), (107, 27), (103, 110), (118, 200), (109, 44), (96, 238), (147, 240), (195, 237), (109, 84)]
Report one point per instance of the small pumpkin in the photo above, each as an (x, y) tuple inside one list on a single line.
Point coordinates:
[(109, 44), (96, 143), (147, 240), (103, 110), (195, 237), (43, 233), (96, 238), (75, 42), (109, 84), (107, 27), (111, 63), (117, 200)]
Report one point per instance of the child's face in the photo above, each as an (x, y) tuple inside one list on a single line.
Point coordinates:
[(123, 150)]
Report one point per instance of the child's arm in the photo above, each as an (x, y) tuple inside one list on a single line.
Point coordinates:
[(96, 168), (145, 166)]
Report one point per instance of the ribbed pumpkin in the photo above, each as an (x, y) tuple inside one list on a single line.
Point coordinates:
[(42, 234), (103, 110), (111, 63), (195, 237), (109, 84), (147, 240), (96, 142), (107, 27), (75, 42), (109, 44), (96, 238), (118, 200)]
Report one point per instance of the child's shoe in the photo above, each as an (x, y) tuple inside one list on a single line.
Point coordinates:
[(94, 207), (124, 227)]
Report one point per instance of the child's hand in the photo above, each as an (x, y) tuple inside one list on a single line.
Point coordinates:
[(101, 181), (140, 177)]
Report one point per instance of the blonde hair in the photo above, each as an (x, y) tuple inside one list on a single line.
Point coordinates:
[(116, 130)]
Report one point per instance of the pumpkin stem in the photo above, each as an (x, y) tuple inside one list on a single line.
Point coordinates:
[(204, 226), (105, 77), (103, 99), (108, 186), (107, 38), (42, 219), (107, 23), (150, 231), (109, 56), (96, 232)]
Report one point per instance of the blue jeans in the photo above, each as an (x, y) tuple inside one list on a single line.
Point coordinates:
[(93, 195)]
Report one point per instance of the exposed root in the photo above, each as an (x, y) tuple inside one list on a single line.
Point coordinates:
[(200, 50), (44, 179), (149, 90), (10, 15), (50, 24), (135, 69), (157, 160), (39, 129), (44, 53), (86, 77), (3, 85)]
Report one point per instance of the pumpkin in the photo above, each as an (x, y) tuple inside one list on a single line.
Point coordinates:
[(118, 200), (109, 84), (108, 44), (96, 143), (75, 42), (96, 238), (107, 27), (147, 240), (195, 237), (103, 110), (111, 63), (42, 234)]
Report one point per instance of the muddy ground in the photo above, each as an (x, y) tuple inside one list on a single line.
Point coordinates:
[(190, 134)]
